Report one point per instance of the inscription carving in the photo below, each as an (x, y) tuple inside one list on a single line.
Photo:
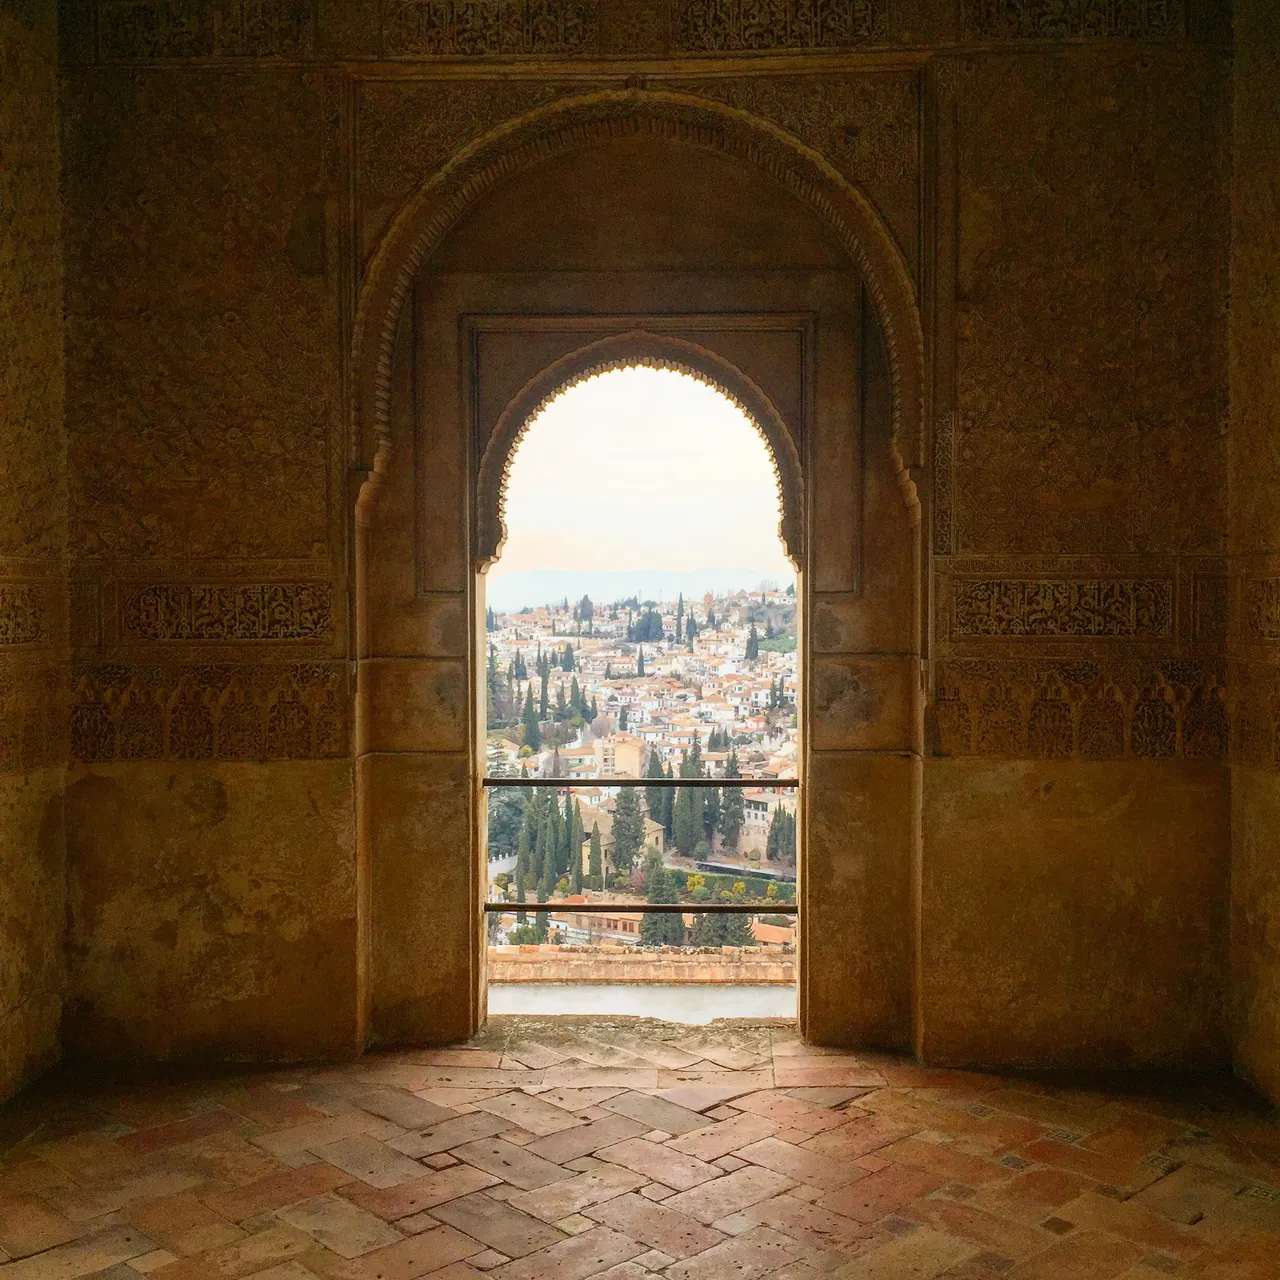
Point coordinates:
[(227, 611), (1028, 607), (21, 614), (1080, 709), (204, 28), (293, 711), (1065, 19), (426, 28), (706, 26), (1262, 608), (944, 439)]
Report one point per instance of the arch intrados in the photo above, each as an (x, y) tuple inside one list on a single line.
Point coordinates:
[(529, 139), (629, 351)]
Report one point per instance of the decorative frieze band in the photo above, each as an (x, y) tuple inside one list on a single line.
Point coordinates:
[(204, 28), (21, 613), (228, 612), (1074, 19), (466, 28), (287, 711), (1081, 710), (1105, 608), (713, 26)]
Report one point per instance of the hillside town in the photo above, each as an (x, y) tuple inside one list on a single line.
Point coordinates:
[(648, 689)]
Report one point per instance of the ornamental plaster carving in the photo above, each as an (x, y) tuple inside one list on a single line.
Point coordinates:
[(22, 614), (1116, 709), (715, 26), (220, 711), (204, 28), (260, 611), (1031, 607), (1075, 439), (1073, 19), (571, 122), (476, 28), (1262, 608)]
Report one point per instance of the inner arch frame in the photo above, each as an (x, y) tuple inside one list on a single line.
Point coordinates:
[(636, 348)]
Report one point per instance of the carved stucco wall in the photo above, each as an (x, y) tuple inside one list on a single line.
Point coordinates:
[(1255, 542), (32, 546), (1056, 181)]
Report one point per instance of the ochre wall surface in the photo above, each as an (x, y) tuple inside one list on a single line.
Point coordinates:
[(32, 546), (1255, 544), (1057, 188)]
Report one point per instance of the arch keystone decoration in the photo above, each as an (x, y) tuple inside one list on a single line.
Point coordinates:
[(578, 121), (636, 348)]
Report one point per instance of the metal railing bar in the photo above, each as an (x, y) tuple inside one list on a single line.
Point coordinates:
[(653, 908), (569, 784)]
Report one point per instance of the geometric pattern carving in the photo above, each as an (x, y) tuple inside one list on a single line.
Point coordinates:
[(944, 436), (1210, 612), (1081, 709), (204, 28), (289, 711), (33, 725), (706, 26), (427, 28), (230, 612), (1262, 608), (1028, 607), (1067, 19), (21, 614)]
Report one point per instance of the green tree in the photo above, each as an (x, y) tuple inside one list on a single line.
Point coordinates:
[(680, 616), (686, 820), (640, 661), (566, 658), (656, 798), (707, 931), (544, 848), (710, 812), (532, 730), (543, 706), (595, 865), (575, 697), (628, 830), (490, 622), (780, 844), (659, 928), (506, 819), (753, 644), (622, 720), (736, 931), (690, 630), (522, 868), (731, 806)]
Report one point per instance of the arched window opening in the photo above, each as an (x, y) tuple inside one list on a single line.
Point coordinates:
[(642, 691)]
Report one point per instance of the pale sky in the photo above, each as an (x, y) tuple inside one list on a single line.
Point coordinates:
[(642, 469)]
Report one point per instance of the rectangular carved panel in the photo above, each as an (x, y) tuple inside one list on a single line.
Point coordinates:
[(1067, 19), (217, 711), (425, 28), (1030, 607), (205, 28), (1080, 709), (290, 611), (1262, 608), (21, 614), (705, 26)]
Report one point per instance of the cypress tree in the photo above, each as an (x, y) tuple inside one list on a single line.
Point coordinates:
[(707, 931), (668, 802), (710, 812), (656, 928), (575, 697), (595, 867), (686, 820), (753, 644), (544, 848), (542, 703), (655, 797), (735, 931), (628, 830), (522, 868), (532, 731), (640, 661), (622, 720), (731, 806)]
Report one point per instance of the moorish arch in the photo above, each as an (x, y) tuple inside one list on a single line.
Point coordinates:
[(434, 429)]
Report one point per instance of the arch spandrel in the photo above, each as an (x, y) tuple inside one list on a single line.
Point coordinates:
[(636, 348), (574, 122)]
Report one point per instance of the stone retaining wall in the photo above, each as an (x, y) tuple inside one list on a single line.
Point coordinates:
[(621, 964)]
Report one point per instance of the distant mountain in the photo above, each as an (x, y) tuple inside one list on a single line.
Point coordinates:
[(536, 587)]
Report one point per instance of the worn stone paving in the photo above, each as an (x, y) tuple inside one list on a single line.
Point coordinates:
[(565, 1149)]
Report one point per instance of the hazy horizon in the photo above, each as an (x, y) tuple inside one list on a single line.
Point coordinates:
[(535, 587)]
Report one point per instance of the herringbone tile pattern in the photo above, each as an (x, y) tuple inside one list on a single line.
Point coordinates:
[(562, 1150)]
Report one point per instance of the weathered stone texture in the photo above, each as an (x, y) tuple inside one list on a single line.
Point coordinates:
[(1090, 321), (1255, 533), (212, 910), (32, 542), (1075, 913), (202, 330)]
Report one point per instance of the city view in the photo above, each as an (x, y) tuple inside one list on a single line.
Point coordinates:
[(597, 673)]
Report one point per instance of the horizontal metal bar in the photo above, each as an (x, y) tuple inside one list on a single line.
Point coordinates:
[(651, 908), (570, 784)]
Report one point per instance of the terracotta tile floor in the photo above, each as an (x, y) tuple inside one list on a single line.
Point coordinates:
[(559, 1150)]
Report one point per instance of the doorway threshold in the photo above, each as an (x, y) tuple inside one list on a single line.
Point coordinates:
[(693, 1003)]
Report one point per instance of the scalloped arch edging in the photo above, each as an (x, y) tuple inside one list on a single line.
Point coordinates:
[(568, 123)]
